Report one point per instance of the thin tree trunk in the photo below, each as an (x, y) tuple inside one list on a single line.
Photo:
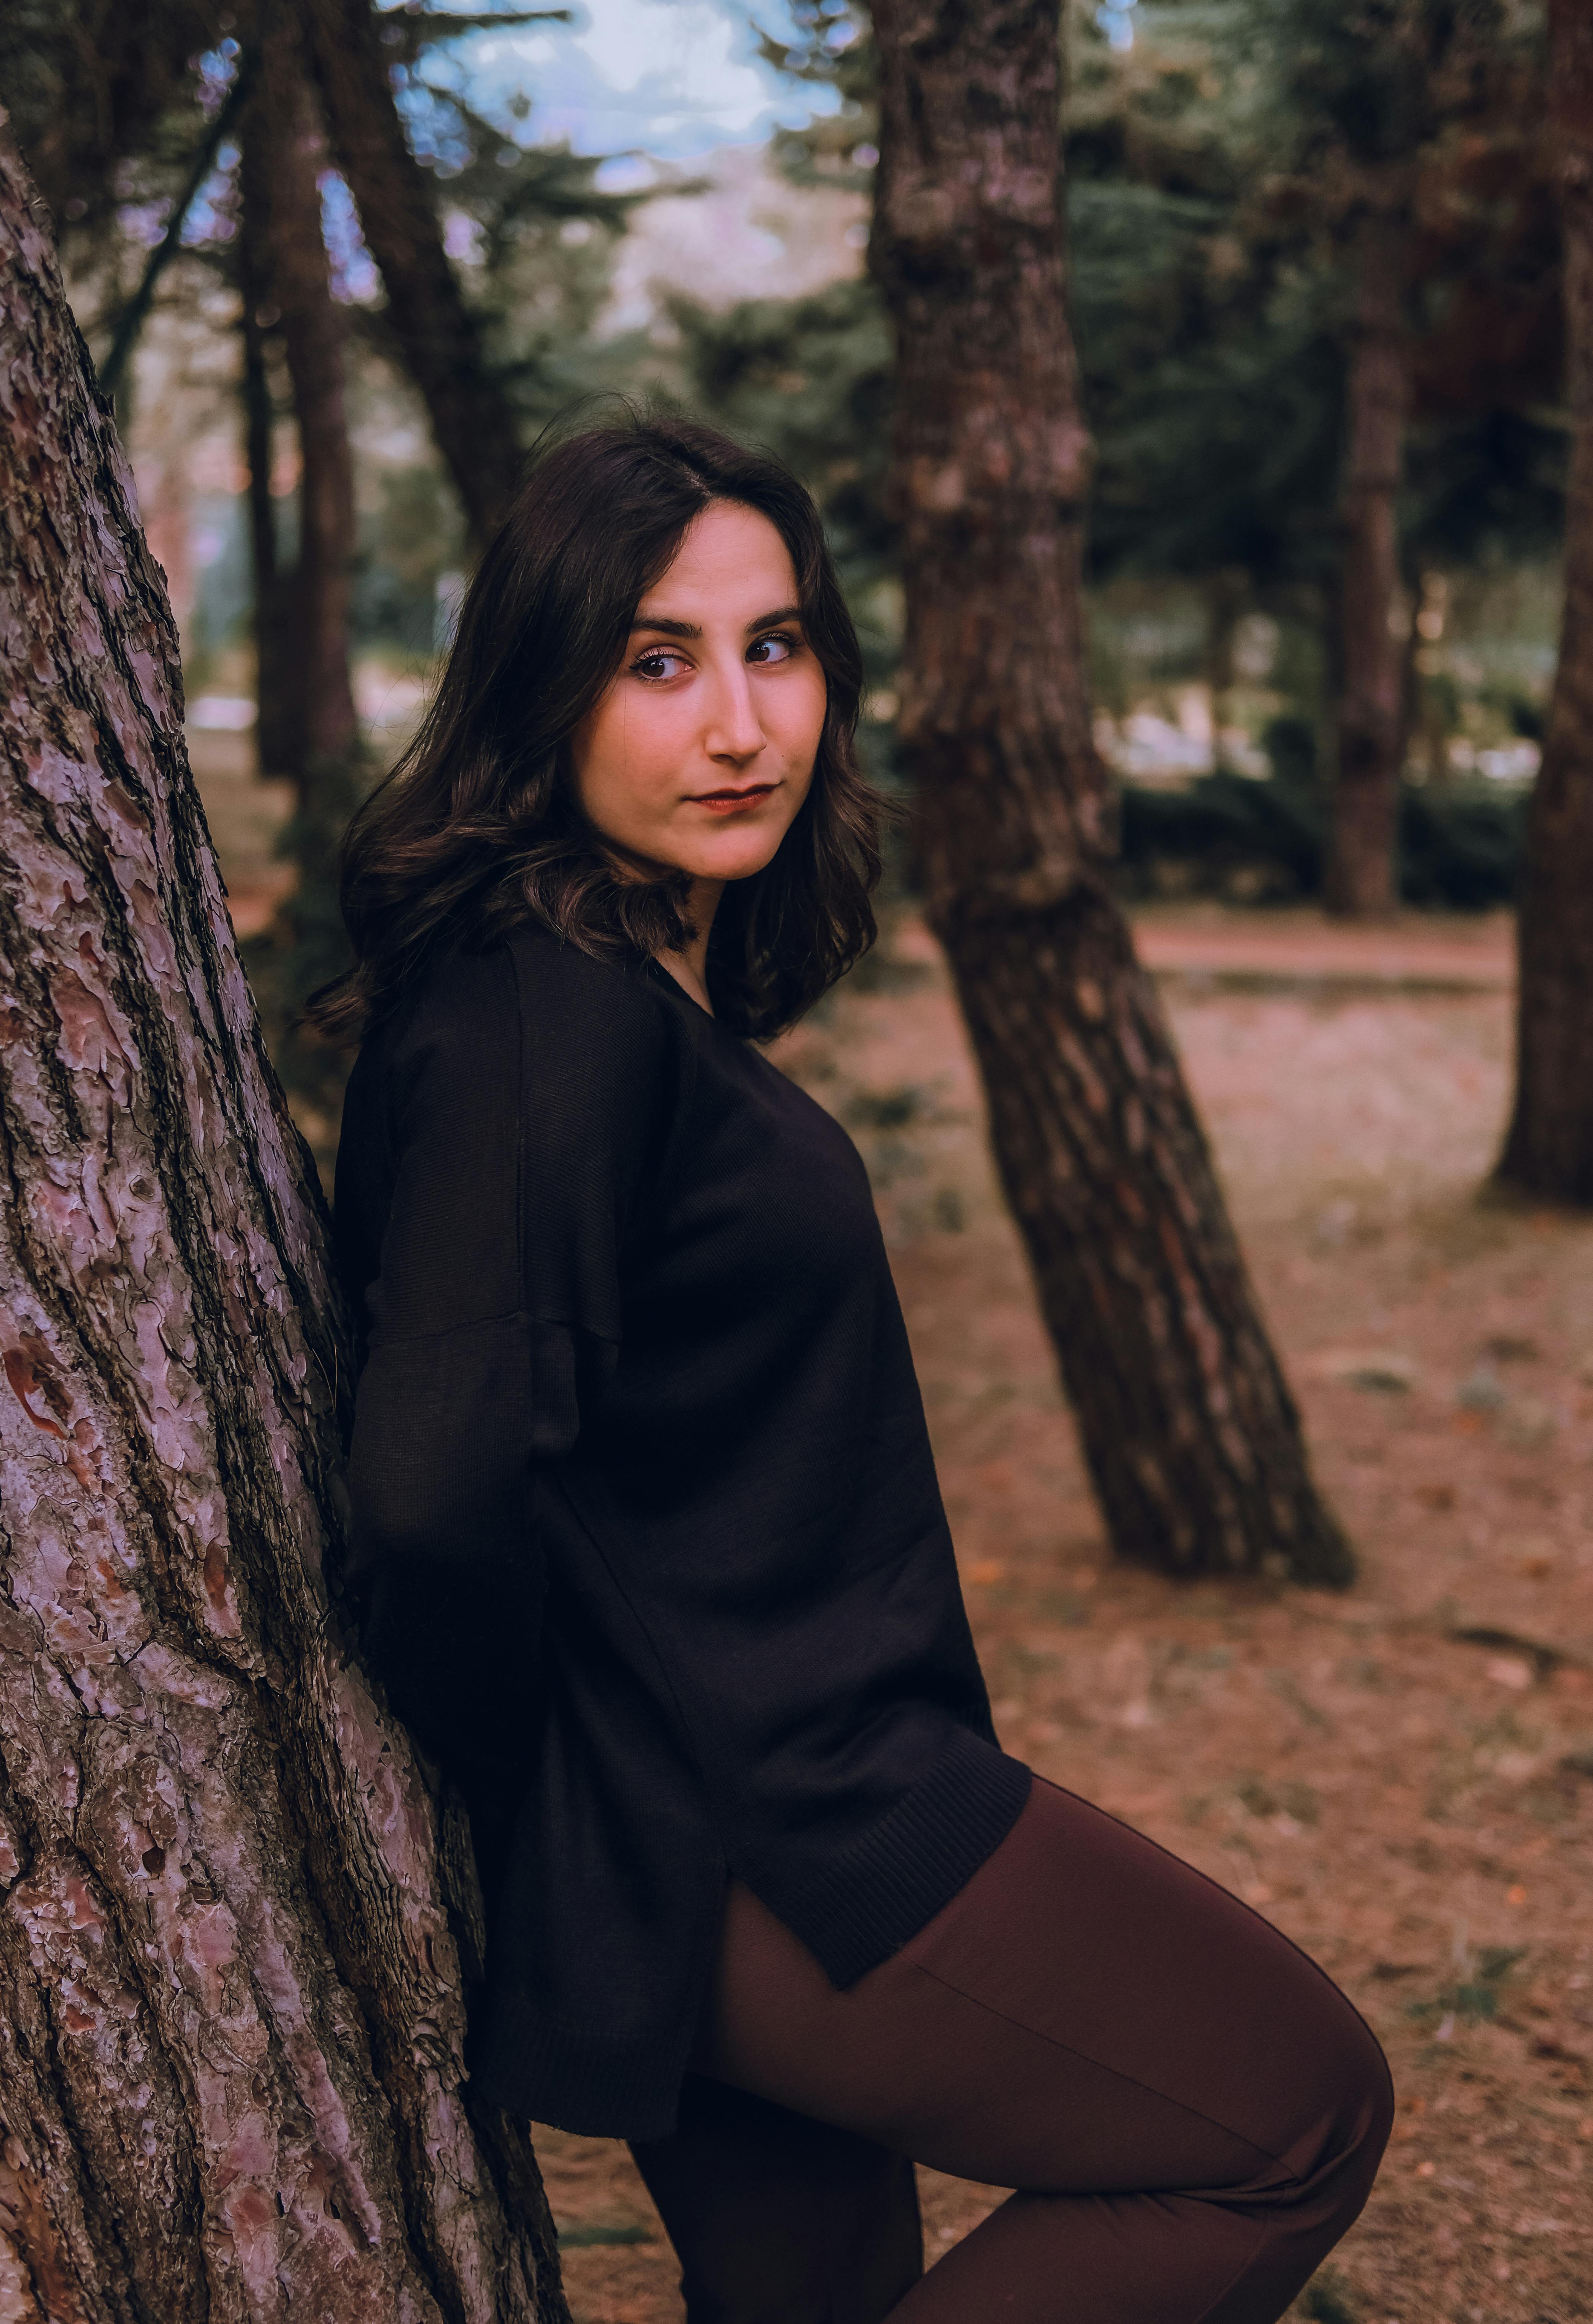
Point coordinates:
[(230, 2049), (471, 418), (283, 157), (1549, 1149), (279, 728), (307, 624), (1362, 880), (1189, 1428)]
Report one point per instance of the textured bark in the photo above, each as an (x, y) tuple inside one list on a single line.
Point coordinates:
[(1191, 1436), (471, 418), (283, 156), (1549, 1149), (1362, 879), (230, 2053)]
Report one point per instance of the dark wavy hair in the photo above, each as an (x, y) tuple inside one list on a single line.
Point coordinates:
[(478, 825)]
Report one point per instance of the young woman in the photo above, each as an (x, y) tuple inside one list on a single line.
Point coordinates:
[(646, 1513)]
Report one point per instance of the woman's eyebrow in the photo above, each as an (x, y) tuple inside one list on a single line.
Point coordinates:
[(673, 628)]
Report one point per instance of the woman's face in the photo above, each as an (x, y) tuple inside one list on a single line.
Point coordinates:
[(699, 753)]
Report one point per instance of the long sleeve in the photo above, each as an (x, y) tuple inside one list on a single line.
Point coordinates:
[(506, 1134)]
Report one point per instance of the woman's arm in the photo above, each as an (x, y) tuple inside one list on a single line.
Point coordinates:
[(522, 1096)]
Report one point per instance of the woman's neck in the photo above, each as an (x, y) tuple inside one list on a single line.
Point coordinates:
[(689, 966)]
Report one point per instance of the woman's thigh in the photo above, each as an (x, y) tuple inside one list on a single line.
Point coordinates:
[(1088, 2015), (779, 2220)]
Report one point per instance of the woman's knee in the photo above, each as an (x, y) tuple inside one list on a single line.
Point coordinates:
[(1346, 2115)]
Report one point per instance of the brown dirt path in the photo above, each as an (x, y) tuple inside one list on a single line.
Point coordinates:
[(1401, 1777), (1425, 952)]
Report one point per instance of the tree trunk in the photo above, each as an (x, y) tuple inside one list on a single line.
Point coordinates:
[(471, 418), (283, 157), (1190, 1431), (1549, 1149), (1362, 880), (230, 2055), (306, 623), (279, 725)]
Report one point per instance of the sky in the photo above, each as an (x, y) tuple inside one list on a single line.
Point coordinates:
[(673, 78)]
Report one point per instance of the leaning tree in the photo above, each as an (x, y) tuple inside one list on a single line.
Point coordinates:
[(1191, 1433), (233, 1952)]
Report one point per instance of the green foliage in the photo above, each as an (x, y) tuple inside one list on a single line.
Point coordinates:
[(1472, 1995), (1215, 172), (533, 237), (811, 378), (95, 95), (832, 47), (1264, 841), (410, 538), (1204, 313), (1326, 2298)]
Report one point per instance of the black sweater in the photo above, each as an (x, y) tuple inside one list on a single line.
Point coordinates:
[(644, 1511)]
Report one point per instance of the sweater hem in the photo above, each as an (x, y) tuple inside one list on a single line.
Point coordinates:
[(892, 1881), (543, 2069)]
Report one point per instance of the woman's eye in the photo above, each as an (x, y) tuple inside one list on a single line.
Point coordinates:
[(659, 663), (775, 649)]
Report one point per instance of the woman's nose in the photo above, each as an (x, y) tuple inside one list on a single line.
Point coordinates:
[(735, 731)]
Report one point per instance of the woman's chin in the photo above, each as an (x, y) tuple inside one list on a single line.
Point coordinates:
[(733, 854)]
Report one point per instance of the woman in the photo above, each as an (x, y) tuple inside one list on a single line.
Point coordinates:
[(646, 1511)]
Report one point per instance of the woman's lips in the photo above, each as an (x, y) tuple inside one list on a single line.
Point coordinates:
[(733, 802)]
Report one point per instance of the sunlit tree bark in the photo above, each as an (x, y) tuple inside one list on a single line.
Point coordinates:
[(230, 2045), (1190, 1430)]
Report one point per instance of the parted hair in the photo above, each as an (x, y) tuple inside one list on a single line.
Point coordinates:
[(478, 827)]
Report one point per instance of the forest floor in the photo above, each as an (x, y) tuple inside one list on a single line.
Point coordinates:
[(1401, 1776)]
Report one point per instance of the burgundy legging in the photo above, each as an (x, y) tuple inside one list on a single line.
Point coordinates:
[(1190, 2112)]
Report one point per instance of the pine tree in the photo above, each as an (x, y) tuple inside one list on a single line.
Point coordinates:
[(1191, 1433), (230, 2072)]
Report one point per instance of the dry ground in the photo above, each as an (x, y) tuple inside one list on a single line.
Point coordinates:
[(1401, 1777)]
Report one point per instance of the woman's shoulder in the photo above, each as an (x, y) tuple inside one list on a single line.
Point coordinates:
[(561, 987), (478, 992), (580, 1035)]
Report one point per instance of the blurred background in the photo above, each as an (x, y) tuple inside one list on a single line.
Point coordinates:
[(673, 198)]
